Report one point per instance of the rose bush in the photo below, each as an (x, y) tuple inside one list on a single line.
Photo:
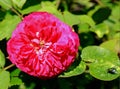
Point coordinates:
[(42, 45)]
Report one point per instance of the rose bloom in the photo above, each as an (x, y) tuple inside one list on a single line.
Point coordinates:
[(42, 45)]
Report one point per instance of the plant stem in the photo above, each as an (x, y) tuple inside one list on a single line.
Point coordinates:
[(9, 66), (58, 3), (100, 3), (17, 13)]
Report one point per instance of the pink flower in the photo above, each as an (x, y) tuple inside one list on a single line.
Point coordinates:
[(42, 45)]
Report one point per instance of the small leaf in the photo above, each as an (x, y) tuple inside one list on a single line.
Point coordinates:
[(86, 19), (6, 4), (30, 9), (101, 29), (15, 80), (19, 3), (2, 60), (70, 19), (112, 45), (4, 79), (54, 11), (100, 61), (8, 25), (115, 15), (83, 27), (76, 71)]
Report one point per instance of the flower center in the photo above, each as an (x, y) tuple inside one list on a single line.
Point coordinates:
[(40, 46), (42, 43)]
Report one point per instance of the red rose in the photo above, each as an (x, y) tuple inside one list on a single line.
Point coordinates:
[(42, 45)]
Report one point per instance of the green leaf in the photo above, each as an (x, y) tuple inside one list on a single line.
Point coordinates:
[(101, 29), (101, 71), (70, 19), (115, 15), (83, 27), (2, 60), (18, 3), (53, 11), (30, 9), (15, 80), (8, 25), (100, 62), (76, 71), (4, 79), (5, 4), (86, 19), (113, 45)]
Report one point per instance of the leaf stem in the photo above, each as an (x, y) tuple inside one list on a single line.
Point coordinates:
[(9, 66), (100, 3), (15, 11), (58, 3)]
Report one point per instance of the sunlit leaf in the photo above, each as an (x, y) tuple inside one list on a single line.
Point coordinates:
[(113, 45), (30, 9), (4, 79), (76, 71), (70, 18), (101, 29), (18, 3), (8, 25), (86, 19), (2, 60), (100, 62), (15, 80), (53, 11), (115, 15), (6, 4)]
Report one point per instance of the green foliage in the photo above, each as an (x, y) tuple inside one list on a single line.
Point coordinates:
[(76, 71), (4, 79), (113, 45), (15, 80), (18, 3), (5, 4), (8, 25), (100, 60), (97, 22), (2, 60)]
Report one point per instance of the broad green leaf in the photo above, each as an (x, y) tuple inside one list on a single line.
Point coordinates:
[(4, 79), (86, 19), (113, 45), (70, 19), (106, 71), (100, 62), (83, 27), (52, 10), (115, 15), (2, 60), (18, 3), (30, 9), (101, 29), (8, 25), (48, 3), (6, 4), (76, 71), (15, 80)]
